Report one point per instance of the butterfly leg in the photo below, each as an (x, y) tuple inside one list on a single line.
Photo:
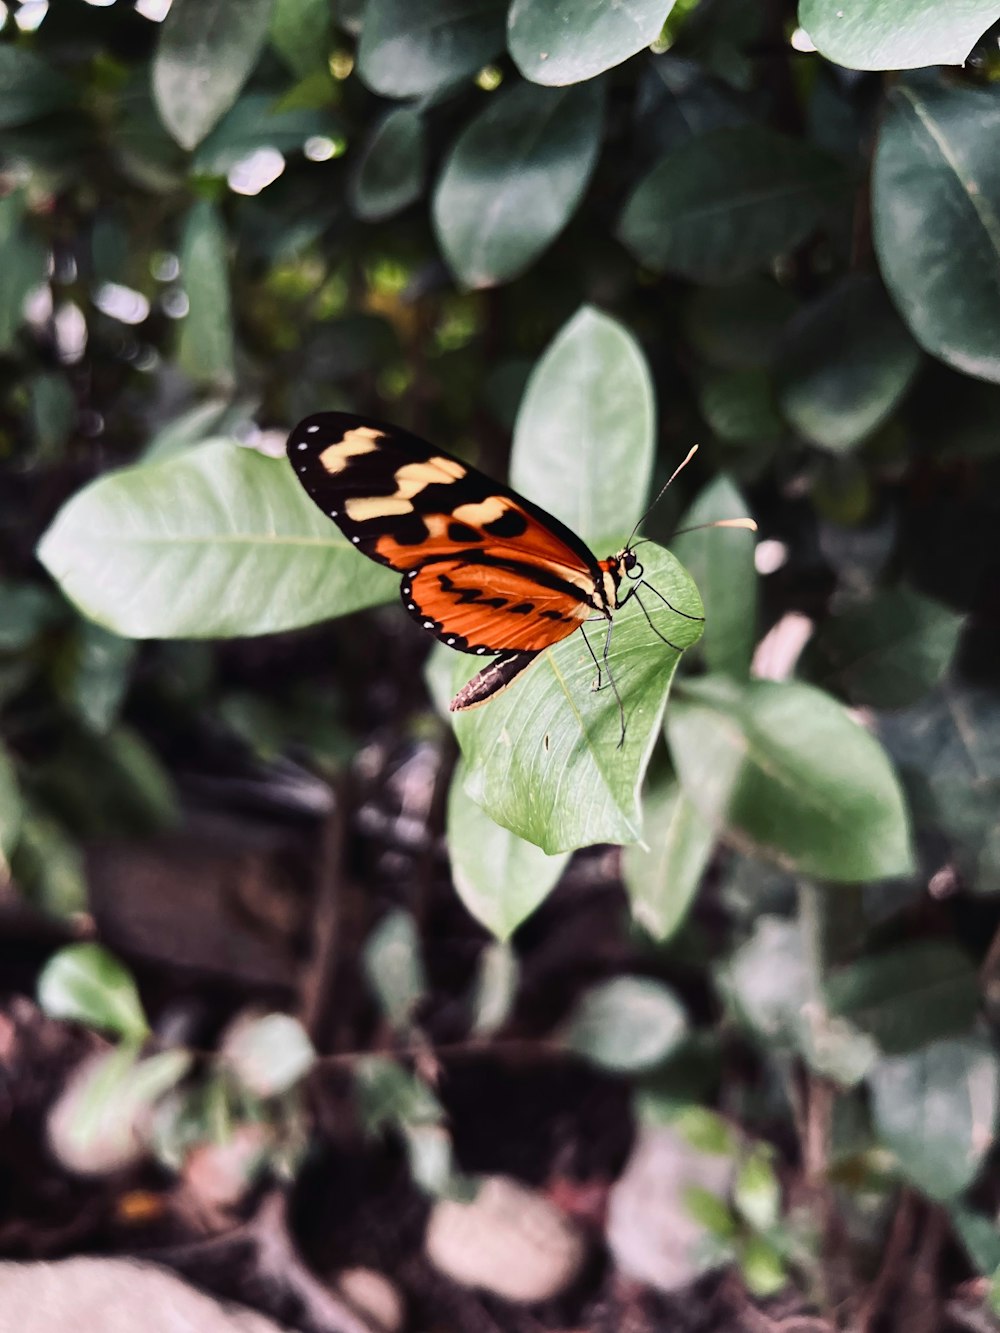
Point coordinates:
[(597, 683), (649, 621), (676, 610)]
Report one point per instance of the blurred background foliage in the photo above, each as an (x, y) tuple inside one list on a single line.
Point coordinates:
[(603, 235)]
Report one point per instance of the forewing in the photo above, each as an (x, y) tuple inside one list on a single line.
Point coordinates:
[(485, 608)]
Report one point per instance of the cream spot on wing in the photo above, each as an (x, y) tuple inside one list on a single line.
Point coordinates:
[(362, 507), (450, 465), (486, 511), (413, 477), (361, 440)]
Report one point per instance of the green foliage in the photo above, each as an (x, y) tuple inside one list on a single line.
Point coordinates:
[(626, 1025), (566, 41), (896, 34), (85, 983)]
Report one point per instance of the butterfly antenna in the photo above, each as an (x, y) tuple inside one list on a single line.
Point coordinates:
[(662, 491), (747, 523)]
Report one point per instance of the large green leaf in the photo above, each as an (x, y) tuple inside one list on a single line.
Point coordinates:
[(513, 179), (206, 51), (583, 441), (29, 88), (390, 174), (729, 202), (543, 758), (253, 123), (936, 217), (216, 541), (410, 48), (566, 41), (677, 100), (886, 652), (896, 34), (625, 1025), (721, 561), (662, 876), (10, 809), (500, 877), (937, 1110), (785, 772), (205, 348), (845, 363), (302, 33)]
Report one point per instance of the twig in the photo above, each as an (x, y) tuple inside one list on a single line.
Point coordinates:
[(900, 1236), (317, 983)]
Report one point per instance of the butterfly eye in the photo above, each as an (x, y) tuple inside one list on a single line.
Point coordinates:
[(635, 570)]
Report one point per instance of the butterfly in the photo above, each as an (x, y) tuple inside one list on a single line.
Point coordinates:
[(483, 569)]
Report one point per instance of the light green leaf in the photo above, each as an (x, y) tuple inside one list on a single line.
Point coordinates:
[(29, 88), (410, 48), (566, 41), (845, 363), (770, 980), (206, 52), (785, 772), (388, 1094), (588, 415), (979, 1235), (936, 218), (268, 1053), (514, 178), (663, 876), (728, 203), (496, 988), (218, 541), (390, 174), (499, 877), (937, 1110), (721, 561), (302, 33), (543, 758), (907, 996), (628, 1024), (205, 349), (757, 1191), (10, 809), (896, 34), (86, 984), (886, 652), (393, 964)]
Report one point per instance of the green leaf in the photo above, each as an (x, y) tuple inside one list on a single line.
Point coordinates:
[(205, 53), (390, 174), (587, 417), (678, 100), (628, 1024), (302, 33), (393, 964), (268, 1053), (886, 652), (388, 1094), (514, 178), (937, 1110), (216, 416), (499, 877), (740, 406), (909, 995), (53, 412), (10, 808), (896, 34), (411, 48), (497, 976), (936, 219), (253, 123), (205, 349), (93, 675), (86, 984), (728, 203), (845, 363), (762, 1267), (784, 771), (29, 88), (739, 326), (663, 876), (757, 1192), (566, 41), (543, 758), (769, 979), (721, 561), (980, 1236), (23, 261), (219, 541), (48, 866)]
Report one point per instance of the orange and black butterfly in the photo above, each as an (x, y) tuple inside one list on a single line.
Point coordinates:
[(483, 569)]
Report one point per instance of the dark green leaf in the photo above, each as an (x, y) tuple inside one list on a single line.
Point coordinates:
[(500, 877), (728, 203), (908, 996), (254, 123), (390, 175), (936, 204), (86, 984), (739, 326), (53, 412), (205, 349), (588, 414), (663, 876), (887, 652), (302, 33), (410, 48), (10, 808), (124, 550), (784, 771), (740, 406), (845, 363), (48, 866), (627, 1024), (514, 178), (23, 261), (94, 675), (721, 561), (566, 41), (896, 34), (678, 100), (388, 1094), (206, 51), (937, 1110), (29, 88)]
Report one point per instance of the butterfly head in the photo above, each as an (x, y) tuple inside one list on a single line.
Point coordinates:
[(627, 564)]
